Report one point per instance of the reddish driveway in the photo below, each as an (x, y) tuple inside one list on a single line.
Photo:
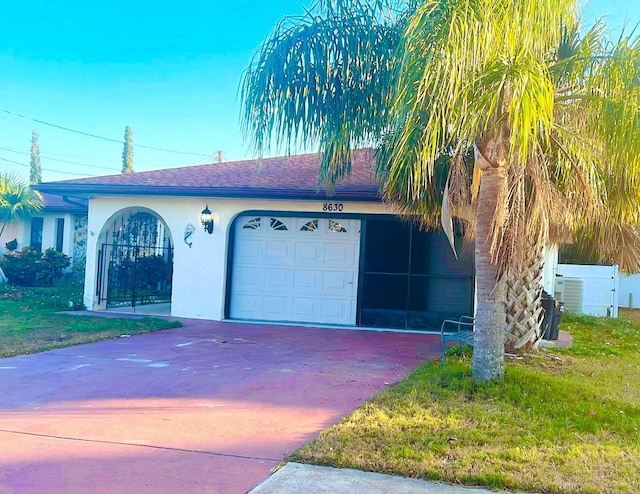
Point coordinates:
[(209, 407)]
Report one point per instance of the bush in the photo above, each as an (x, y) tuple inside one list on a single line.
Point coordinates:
[(28, 267)]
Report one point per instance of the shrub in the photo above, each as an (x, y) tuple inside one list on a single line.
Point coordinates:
[(53, 262), (28, 267)]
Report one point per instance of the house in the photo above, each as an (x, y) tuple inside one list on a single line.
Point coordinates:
[(259, 240), (60, 225)]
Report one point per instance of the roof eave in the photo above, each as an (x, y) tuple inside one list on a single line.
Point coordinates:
[(92, 190)]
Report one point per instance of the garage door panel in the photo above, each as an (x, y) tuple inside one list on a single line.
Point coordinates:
[(337, 281), (334, 309), (308, 253), (248, 279), (276, 308), (306, 273), (307, 281), (251, 250), (305, 309), (339, 254), (250, 306), (276, 279), (278, 251)]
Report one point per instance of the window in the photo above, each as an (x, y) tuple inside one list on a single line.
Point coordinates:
[(334, 226), (59, 234), (309, 226), (276, 224), (252, 224), (36, 233)]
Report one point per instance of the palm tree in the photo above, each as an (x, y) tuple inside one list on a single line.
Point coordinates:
[(18, 202), (552, 119)]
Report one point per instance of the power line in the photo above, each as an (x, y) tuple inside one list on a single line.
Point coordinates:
[(46, 169), (95, 136), (9, 150), (49, 153)]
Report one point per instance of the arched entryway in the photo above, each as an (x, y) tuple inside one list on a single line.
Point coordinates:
[(135, 262)]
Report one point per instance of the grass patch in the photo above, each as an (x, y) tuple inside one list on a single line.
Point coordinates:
[(30, 321), (560, 421)]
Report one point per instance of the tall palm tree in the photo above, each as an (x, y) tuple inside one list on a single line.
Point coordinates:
[(550, 133), (18, 202), (553, 132)]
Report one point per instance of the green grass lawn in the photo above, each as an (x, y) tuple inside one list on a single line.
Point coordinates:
[(30, 321), (560, 421)]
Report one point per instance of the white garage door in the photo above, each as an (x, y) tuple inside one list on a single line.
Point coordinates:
[(295, 269)]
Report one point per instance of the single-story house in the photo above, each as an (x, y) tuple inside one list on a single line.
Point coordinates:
[(260, 240), (61, 225)]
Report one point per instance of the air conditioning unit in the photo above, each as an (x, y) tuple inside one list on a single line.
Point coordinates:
[(570, 291)]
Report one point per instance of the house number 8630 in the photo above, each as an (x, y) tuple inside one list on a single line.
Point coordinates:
[(332, 206)]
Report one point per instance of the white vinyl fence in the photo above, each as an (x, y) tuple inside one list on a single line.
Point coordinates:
[(599, 287), (629, 292)]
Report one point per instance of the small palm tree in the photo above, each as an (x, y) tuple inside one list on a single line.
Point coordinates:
[(18, 202), (552, 119)]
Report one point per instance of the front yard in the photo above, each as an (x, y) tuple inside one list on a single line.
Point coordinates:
[(31, 321), (561, 420)]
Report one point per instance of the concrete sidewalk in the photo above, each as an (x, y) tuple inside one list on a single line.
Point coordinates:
[(295, 478)]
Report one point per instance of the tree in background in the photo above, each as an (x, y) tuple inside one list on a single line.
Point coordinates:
[(551, 118), (35, 174), (127, 151), (18, 202)]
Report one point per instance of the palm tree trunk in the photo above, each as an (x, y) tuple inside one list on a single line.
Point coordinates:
[(523, 292), (488, 352)]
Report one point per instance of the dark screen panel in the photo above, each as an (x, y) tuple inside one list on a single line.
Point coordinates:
[(387, 247), (411, 278)]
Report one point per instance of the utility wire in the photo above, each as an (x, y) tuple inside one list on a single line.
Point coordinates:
[(112, 169), (49, 153), (46, 169), (87, 134)]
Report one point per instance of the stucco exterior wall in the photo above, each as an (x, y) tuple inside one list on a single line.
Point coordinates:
[(199, 271), (22, 232), (12, 230)]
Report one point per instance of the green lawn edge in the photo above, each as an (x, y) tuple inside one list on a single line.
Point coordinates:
[(563, 420), (34, 320)]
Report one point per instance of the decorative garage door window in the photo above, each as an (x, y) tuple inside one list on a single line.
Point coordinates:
[(334, 226), (310, 226), (252, 224), (278, 225)]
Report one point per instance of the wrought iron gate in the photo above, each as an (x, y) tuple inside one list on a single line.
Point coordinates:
[(136, 266)]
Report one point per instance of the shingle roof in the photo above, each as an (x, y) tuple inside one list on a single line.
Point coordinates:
[(54, 202), (281, 177)]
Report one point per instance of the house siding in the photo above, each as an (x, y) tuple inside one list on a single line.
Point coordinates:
[(200, 272), (22, 232)]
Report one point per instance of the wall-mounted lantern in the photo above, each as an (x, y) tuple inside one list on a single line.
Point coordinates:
[(206, 217)]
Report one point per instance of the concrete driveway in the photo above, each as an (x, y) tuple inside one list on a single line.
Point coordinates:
[(209, 407)]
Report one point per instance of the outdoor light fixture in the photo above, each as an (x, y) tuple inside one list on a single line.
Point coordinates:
[(207, 219)]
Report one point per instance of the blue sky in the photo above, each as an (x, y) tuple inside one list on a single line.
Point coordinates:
[(170, 70)]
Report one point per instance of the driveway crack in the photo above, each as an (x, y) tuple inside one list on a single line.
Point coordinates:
[(140, 445)]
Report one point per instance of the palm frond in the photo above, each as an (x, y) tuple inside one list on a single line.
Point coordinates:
[(324, 80), (18, 202)]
